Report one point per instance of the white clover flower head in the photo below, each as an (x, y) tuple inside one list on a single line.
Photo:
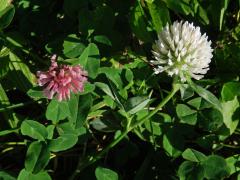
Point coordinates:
[(181, 50)]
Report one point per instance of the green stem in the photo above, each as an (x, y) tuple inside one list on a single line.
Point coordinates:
[(230, 146), (15, 106), (159, 107), (15, 143), (90, 160)]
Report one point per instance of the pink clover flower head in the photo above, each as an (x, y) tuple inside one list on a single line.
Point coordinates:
[(61, 80)]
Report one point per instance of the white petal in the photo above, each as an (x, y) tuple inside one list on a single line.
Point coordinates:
[(182, 49)]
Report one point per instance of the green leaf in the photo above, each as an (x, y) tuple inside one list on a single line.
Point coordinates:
[(178, 6), (138, 23), (105, 88), (57, 111), (82, 134), (193, 155), (230, 90), (36, 93), (20, 73), (173, 142), (205, 94), (72, 47), (50, 130), (4, 66), (159, 14), (67, 128), (118, 98), (108, 101), (233, 163), (186, 114), (203, 15), (186, 91), (190, 171), (34, 129), (6, 16), (4, 52), (88, 88), (211, 119), (5, 175), (25, 175), (229, 118), (113, 93), (90, 60), (199, 103), (105, 174), (63, 142), (5, 132), (9, 116), (113, 74), (37, 157), (79, 107), (153, 127), (217, 10), (135, 104), (238, 176), (102, 39), (215, 167), (4, 4), (105, 125), (129, 75), (224, 5)]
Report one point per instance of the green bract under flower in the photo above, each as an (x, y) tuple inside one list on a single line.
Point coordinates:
[(182, 50)]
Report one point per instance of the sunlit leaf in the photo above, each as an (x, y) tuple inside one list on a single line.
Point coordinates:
[(139, 24), (20, 73), (6, 16), (90, 60), (105, 174), (63, 142), (193, 155), (24, 174), (79, 107), (34, 129), (215, 167), (57, 111), (37, 157), (159, 14), (72, 46), (6, 176), (190, 171)]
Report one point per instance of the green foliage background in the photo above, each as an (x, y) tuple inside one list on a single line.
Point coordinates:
[(195, 136)]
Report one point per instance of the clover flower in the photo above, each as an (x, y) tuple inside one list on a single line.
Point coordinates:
[(61, 80), (181, 50)]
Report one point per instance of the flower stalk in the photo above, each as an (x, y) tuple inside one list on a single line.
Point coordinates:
[(90, 160)]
